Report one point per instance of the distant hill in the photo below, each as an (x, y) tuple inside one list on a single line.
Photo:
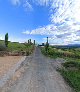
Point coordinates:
[(68, 46)]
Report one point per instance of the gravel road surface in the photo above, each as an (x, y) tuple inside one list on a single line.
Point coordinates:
[(40, 76)]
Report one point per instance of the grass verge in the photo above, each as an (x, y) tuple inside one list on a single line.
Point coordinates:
[(71, 74), (73, 78), (16, 47), (71, 69)]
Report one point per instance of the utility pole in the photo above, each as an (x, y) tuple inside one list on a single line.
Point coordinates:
[(47, 39), (30, 41), (47, 46), (34, 42)]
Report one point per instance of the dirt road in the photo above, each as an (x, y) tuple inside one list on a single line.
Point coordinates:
[(40, 76)]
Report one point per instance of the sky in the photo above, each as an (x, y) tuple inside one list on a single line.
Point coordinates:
[(37, 19)]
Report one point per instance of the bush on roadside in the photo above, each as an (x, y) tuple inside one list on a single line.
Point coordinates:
[(70, 69), (3, 47), (71, 64)]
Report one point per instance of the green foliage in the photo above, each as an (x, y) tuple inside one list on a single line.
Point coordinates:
[(2, 42), (6, 39), (62, 53), (47, 47), (73, 78), (71, 73), (43, 51), (72, 64), (15, 46), (2, 48), (71, 70)]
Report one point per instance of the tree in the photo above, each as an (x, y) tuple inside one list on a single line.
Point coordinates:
[(6, 39)]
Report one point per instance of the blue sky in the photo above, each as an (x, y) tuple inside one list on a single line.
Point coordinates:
[(37, 19)]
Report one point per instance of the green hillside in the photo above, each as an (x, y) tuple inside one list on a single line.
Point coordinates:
[(15, 46)]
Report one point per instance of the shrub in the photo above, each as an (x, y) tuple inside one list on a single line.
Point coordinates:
[(3, 48), (72, 64), (73, 78)]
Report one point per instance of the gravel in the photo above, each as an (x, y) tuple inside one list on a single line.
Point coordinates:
[(40, 76)]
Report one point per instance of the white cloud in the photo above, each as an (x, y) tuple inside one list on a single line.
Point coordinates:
[(42, 2), (65, 9), (39, 2), (64, 17), (1, 37), (15, 2), (46, 30), (64, 40), (53, 30), (26, 32), (60, 9), (58, 34), (28, 6)]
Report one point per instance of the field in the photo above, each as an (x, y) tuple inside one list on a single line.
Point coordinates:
[(16, 47), (71, 68)]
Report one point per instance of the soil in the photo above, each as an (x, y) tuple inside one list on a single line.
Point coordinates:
[(7, 62)]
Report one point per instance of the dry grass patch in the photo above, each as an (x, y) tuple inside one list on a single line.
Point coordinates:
[(7, 62)]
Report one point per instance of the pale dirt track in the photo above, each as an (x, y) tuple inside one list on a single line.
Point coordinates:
[(8, 62), (40, 76)]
